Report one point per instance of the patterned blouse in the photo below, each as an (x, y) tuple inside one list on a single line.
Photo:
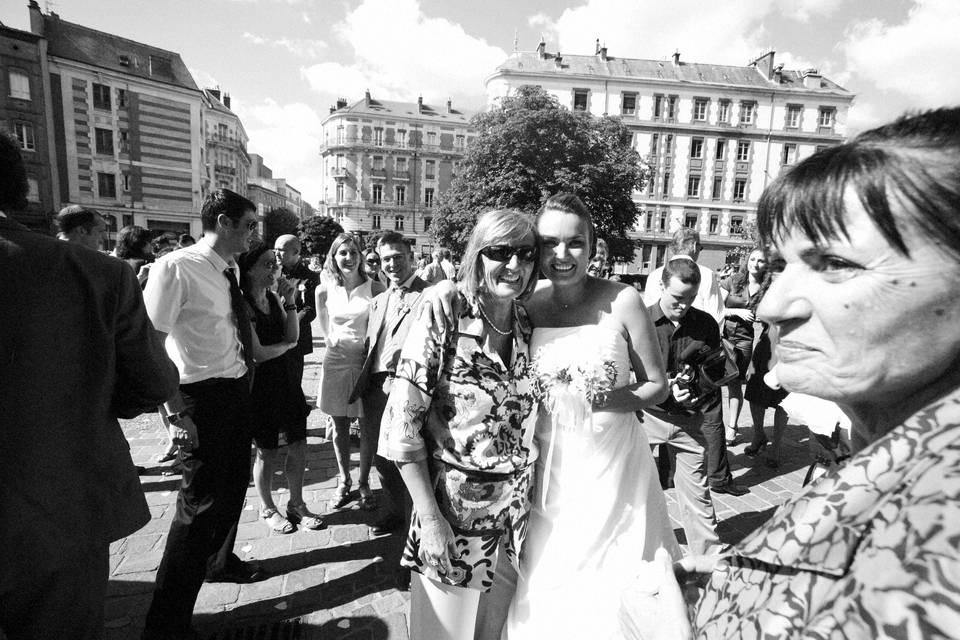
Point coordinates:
[(871, 550), (457, 405)]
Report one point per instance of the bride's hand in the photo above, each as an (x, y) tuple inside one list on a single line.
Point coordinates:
[(437, 543)]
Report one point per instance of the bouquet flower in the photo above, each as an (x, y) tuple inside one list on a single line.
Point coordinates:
[(570, 387)]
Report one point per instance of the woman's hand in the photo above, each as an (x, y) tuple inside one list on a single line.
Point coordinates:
[(437, 543), (440, 301), (743, 314), (286, 289)]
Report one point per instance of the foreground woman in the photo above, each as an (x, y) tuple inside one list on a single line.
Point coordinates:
[(867, 307), (459, 422)]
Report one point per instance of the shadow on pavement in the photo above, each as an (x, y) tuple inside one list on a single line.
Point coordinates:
[(736, 528)]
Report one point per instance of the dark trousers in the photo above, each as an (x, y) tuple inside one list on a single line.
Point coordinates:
[(215, 480), (374, 401), (53, 578), (715, 445)]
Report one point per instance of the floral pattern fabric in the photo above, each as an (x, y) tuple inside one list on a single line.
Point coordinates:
[(472, 417), (871, 550)]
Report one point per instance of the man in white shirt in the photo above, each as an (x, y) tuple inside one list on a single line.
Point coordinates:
[(448, 267), (194, 301), (686, 242)]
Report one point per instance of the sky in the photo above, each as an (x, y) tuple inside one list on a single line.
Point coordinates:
[(285, 62)]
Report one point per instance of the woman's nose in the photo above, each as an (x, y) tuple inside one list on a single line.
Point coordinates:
[(513, 262), (785, 299)]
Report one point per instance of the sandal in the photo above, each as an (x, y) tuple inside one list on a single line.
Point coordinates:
[(301, 515), (276, 522), (343, 496), (366, 502), (169, 456)]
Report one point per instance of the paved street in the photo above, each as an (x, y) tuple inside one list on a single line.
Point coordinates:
[(338, 582)]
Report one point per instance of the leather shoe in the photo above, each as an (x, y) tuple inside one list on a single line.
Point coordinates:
[(731, 489), (390, 523), (240, 573)]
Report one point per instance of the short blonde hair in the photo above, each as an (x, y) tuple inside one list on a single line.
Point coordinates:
[(500, 226)]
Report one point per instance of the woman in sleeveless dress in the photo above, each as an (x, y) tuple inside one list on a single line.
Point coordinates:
[(598, 511), (343, 307)]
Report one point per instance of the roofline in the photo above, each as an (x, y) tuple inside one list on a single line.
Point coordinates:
[(414, 118), (20, 32), (118, 74), (47, 16)]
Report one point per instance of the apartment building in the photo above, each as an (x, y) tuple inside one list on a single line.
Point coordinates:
[(268, 192), (713, 135), (385, 164), (225, 158), (127, 127)]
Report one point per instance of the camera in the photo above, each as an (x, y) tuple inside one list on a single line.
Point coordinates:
[(703, 370)]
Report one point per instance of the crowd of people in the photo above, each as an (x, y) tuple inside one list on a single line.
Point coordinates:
[(509, 408)]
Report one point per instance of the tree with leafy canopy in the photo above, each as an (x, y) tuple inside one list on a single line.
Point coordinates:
[(316, 235), (279, 221), (529, 148)]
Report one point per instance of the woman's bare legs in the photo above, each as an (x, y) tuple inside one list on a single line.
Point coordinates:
[(263, 466), (734, 405), (341, 447)]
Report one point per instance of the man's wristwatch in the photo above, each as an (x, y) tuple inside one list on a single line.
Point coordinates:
[(175, 418)]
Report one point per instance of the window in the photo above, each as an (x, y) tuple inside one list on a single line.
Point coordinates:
[(428, 197), (340, 134), (789, 154), (377, 193), (377, 163), (126, 181), (124, 141), (401, 138), (430, 169), (432, 138), (400, 193), (628, 104), (657, 107), (825, 117), (736, 225), (663, 221), (717, 192), (458, 142), (671, 108), (375, 221), (666, 184), (743, 150), (649, 220), (654, 143), (693, 187), (104, 140), (668, 147), (107, 185), (19, 85), (739, 189), (161, 66), (378, 137), (339, 192), (427, 221), (690, 220), (721, 149), (696, 148), (793, 116), (33, 190), (580, 99), (24, 133), (723, 112), (122, 98), (700, 109), (746, 112), (714, 223), (401, 164), (398, 223), (101, 96)]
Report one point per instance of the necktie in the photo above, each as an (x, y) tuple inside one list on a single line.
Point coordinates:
[(243, 320)]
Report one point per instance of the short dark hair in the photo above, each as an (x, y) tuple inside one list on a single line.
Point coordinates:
[(13, 175), (75, 216), (685, 242), (131, 242), (223, 202), (392, 237), (186, 237), (683, 269), (571, 203), (903, 173)]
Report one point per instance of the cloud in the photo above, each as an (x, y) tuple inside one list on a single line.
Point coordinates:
[(298, 47), (916, 58), (400, 53), (203, 78), (288, 137), (805, 10)]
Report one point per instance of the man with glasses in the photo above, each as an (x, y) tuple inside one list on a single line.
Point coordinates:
[(194, 301)]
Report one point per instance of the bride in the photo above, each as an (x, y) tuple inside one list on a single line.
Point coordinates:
[(599, 510)]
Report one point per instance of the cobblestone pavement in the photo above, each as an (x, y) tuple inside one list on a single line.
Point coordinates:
[(339, 582)]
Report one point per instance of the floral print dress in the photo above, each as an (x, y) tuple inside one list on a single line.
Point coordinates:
[(871, 550), (455, 404)]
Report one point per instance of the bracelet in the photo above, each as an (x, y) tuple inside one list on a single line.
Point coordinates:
[(290, 307)]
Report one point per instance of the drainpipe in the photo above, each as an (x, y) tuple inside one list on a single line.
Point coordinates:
[(766, 160)]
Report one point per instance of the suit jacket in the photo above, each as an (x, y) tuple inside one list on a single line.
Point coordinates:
[(77, 350), (379, 326)]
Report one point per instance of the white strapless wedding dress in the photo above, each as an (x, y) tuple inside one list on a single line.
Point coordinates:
[(598, 508)]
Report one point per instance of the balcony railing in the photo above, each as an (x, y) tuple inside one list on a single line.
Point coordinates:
[(222, 168), (378, 173), (401, 175), (340, 173)]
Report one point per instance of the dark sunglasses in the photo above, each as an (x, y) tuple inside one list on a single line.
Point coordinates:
[(503, 253), (372, 261)]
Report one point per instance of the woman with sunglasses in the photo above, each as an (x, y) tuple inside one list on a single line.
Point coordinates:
[(371, 266), (343, 308), (459, 423)]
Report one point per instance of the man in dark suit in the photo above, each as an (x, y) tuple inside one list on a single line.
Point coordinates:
[(287, 248), (391, 314), (77, 350)]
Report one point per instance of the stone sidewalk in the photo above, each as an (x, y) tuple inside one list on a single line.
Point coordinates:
[(338, 582)]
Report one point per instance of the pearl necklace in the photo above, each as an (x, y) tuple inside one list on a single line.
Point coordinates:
[(490, 322)]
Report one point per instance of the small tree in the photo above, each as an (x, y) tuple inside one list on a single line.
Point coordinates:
[(529, 148), (277, 222), (316, 235), (738, 255)]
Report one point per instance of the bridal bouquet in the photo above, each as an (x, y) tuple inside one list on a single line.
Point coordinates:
[(569, 387)]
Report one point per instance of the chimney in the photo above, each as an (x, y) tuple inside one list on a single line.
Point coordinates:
[(603, 53), (366, 97), (676, 58), (764, 64), (226, 100), (420, 104), (36, 18), (558, 59), (811, 78), (341, 103), (778, 73), (596, 48), (542, 49), (449, 105)]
